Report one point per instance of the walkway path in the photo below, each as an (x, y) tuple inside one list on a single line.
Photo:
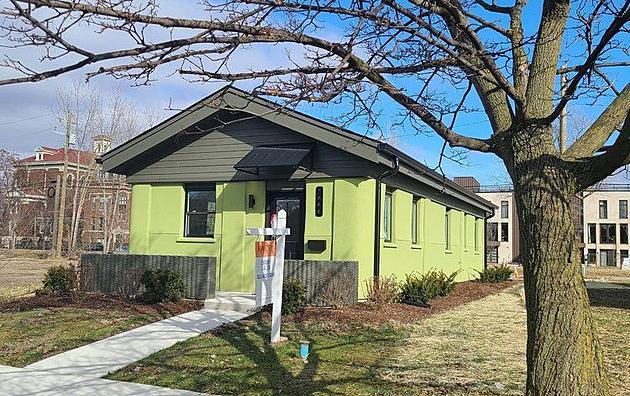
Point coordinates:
[(97, 359), (79, 371), (27, 382)]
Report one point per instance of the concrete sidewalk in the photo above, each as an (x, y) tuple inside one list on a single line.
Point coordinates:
[(102, 357), (23, 382)]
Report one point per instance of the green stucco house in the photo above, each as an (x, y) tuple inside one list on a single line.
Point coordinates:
[(229, 161)]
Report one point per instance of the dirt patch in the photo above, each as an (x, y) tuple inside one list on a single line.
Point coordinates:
[(25, 271), (366, 313), (101, 302)]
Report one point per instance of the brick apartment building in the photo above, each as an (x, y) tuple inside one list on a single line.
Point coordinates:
[(97, 204)]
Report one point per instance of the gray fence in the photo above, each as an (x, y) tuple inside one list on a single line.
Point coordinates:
[(120, 273), (327, 282)]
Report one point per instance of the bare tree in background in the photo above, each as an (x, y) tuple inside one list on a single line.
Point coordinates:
[(7, 215), (109, 115), (433, 60)]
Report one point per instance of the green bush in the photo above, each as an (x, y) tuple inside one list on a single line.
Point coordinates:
[(59, 280), (162, 285), (497, 273), (382, 290), (420, 288), (293, 297)]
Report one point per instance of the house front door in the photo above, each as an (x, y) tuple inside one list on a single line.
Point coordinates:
[(293, 203)]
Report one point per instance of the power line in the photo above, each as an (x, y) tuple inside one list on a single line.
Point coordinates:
[(23, 119)]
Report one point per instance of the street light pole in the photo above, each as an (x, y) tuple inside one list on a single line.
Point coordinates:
[(62, 186)]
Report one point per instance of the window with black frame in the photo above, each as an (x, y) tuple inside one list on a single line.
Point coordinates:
[(200, 211)]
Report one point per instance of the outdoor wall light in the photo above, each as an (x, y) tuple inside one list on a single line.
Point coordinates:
[(251, 201), (304, 350)]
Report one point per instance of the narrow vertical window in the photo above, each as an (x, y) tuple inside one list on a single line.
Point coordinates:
[(603, 209), (200, 211), (476, 235), (623, 209), (387, 223), (623, 234), (505, 232), (592, 233), (414, 221), (447, 226), (465, 233), (504, 209)]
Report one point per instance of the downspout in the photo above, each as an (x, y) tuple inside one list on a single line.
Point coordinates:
[(377, 214)]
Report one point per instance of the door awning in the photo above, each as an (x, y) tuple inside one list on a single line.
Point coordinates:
[(273, 157)]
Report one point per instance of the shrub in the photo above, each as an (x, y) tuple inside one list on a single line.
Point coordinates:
[(59, 280), (162, 285), (293, 297), (420, 288), (382, 290), (497, 273)]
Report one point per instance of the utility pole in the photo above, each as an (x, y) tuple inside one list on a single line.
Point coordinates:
[(62, 186), (563, 115)]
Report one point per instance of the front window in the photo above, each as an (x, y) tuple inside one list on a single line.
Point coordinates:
[(200, 211), (623, 233), (504, 232), (607, 233), (387, 222), (592, 236), (504, 209), (603, 209), (623, 209), (591, 256)]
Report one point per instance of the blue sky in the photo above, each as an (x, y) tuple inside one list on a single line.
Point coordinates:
[(25, 120)]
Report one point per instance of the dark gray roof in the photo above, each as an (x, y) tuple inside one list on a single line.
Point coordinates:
[(234, 99)]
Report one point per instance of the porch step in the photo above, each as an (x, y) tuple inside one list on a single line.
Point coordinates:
[(232, 301)]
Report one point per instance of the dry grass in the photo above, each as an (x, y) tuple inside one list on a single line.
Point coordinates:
[(479, 349), (23, 272), (608, 274), (476, 349)]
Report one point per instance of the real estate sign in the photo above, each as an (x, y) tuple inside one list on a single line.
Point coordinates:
[(265, 260)]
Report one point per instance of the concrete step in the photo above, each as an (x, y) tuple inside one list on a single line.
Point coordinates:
[(232, 301)]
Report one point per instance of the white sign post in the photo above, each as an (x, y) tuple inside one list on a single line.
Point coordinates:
[(266, 266)]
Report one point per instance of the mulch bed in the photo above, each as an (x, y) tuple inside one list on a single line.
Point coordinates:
[(99, 301), (365, 313)]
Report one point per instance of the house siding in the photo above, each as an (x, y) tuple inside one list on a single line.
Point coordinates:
[(346, 224), (186, 158)]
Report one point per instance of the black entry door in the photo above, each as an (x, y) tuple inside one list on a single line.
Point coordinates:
[(293, 204)]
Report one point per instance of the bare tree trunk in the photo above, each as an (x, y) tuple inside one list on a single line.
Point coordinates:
[(563, 351)]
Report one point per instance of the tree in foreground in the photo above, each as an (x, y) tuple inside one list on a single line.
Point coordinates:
[(502, 56)]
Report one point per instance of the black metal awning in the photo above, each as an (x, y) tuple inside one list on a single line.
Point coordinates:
[(273, 157)]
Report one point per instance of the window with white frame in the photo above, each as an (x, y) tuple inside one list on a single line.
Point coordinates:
[(388, 216)]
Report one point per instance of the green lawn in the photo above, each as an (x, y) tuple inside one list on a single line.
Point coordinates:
[(344, 360), (29, 334), (474, 349)]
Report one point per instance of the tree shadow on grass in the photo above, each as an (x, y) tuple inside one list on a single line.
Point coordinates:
[(610, 297), (238, 359)]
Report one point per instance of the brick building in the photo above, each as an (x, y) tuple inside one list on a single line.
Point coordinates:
[(97, 203)]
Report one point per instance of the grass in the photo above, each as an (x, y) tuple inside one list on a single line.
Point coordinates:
[(475, 349), (29, 336), (238, 360), (479, 349)]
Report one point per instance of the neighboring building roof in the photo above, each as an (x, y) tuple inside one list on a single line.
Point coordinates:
[(56, 155), (230, 98)]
